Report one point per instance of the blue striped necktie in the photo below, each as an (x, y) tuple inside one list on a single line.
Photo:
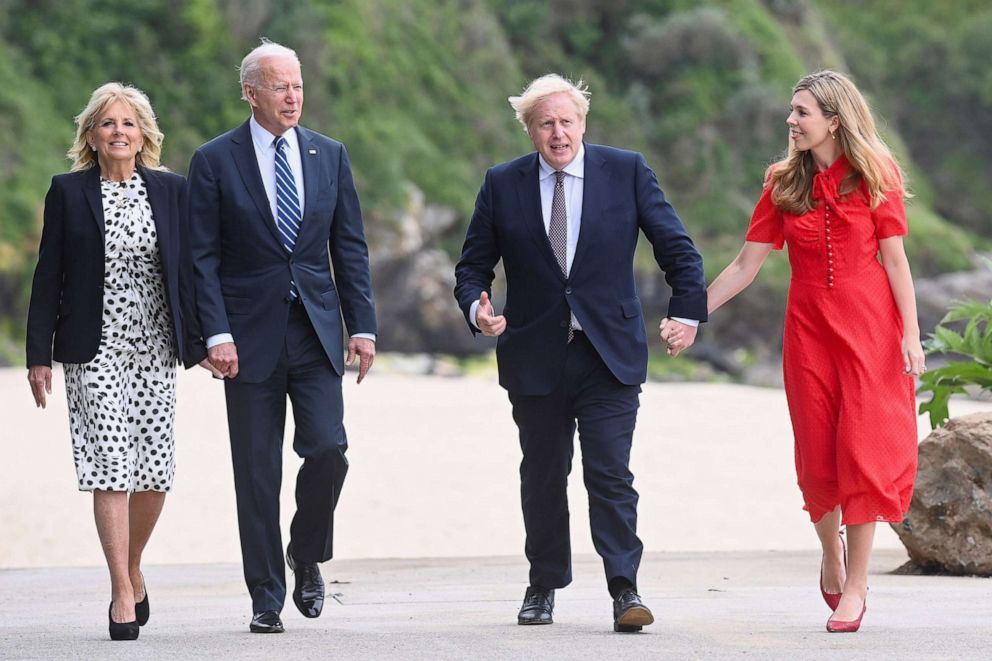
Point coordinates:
[(288, 212)]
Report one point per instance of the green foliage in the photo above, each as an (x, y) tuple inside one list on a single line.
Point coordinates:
[(974, 344), (926, 64), (417, 91)]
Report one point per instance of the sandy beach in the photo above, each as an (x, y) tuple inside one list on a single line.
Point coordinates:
[(433, 474)]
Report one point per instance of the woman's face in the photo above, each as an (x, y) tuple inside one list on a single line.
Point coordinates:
[(115, 136), (808, 128)]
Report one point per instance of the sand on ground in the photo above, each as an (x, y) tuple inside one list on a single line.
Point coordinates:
[(434, 473)]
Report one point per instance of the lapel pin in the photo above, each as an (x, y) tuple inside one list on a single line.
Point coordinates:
[(313, 151)]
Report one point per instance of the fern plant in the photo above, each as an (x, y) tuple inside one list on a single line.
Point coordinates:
[(973, 345)]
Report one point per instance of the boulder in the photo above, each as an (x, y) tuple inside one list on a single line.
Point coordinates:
[(949, 525)]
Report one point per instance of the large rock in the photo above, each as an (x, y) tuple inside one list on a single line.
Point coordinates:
[(934, 296), (949, 526)]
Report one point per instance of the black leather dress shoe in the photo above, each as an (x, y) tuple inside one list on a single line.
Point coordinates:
[(537, 607), (308, 595), (630, 613), (266, 622)]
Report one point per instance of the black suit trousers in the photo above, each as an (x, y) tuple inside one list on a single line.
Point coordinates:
[(589, 398), (256, 414)]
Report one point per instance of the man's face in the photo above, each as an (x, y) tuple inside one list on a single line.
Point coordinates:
[(278, 100), (556, 129)]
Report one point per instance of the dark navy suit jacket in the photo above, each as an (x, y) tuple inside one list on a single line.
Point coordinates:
[(621, 198), (65, 316), (243, 272)]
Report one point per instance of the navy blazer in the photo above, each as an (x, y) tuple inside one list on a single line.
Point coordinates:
[(621, 197), (65, 316), (243, 272)]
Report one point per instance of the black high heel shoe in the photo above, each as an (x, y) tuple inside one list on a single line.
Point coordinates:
[(141, 608), (122, 630)]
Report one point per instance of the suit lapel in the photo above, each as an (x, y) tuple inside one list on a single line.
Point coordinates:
[(595, 192), (91, 188), (160, 213), (310, 162), (243, 151), (529, 193)]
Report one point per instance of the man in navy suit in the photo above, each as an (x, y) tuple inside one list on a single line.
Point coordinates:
[(269, 201), (572, 350)]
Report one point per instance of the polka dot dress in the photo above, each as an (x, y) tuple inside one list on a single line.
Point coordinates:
[(122, 403)]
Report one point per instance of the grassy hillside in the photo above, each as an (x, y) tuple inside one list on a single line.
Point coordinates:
[(417, 91)]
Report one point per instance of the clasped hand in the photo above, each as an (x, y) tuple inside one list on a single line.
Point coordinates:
[(676, 335)]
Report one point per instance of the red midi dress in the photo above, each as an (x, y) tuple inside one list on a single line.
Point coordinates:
[(853, 408)]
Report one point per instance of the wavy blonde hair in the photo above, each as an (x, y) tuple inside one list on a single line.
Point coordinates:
[(872, 163), (543, 87), (82, 155)]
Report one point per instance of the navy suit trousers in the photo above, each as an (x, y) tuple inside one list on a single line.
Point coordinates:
[(591, 399), (256, 414)]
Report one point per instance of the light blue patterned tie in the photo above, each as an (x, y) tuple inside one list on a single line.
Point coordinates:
[(288, 212)]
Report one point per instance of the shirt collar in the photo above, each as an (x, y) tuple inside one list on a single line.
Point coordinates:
[(577, 168), (265, 140)]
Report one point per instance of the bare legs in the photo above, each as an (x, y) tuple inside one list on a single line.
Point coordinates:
[(859, 541), (124, 526), (828, 530), (853, 585)]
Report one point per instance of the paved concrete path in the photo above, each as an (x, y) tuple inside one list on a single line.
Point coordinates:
[(744, 605)]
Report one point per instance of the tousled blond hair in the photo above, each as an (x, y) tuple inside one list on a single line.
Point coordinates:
[(543, 87), (872, 163), (83, 156)]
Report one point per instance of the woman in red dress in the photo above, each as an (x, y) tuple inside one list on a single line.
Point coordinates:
[(852, 340)]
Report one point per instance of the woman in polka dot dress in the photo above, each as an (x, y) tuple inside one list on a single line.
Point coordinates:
[(852, 340), (105, 301)]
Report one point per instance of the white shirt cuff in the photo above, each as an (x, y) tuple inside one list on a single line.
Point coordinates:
[(688, 322), (365, 336), (220, 338), (471, 315)]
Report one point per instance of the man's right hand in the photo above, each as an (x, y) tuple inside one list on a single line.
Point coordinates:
[(487, 320), (224, 358)]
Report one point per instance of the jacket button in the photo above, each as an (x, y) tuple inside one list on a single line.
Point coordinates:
[(564, 324), (568, 290)]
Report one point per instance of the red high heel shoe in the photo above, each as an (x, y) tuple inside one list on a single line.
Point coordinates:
[(847, 626), (832, 598)]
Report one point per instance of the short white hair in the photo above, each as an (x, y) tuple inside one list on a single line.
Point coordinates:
[(251, 67), (545, 86)]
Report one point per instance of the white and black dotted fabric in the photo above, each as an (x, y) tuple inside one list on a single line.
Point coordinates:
[(122, 403)]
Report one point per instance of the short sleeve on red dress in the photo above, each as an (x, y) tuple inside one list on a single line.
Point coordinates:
[(766, 222), (890, 216)]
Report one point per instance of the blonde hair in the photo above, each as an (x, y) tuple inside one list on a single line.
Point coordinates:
[(543, 87), (872, 163), (82, 155), (250, 71)]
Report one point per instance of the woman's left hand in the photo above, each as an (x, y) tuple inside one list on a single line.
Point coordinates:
[(913, 358), (40, 378)]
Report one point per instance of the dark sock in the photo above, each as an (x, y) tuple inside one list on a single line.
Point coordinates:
[(618, 585)]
